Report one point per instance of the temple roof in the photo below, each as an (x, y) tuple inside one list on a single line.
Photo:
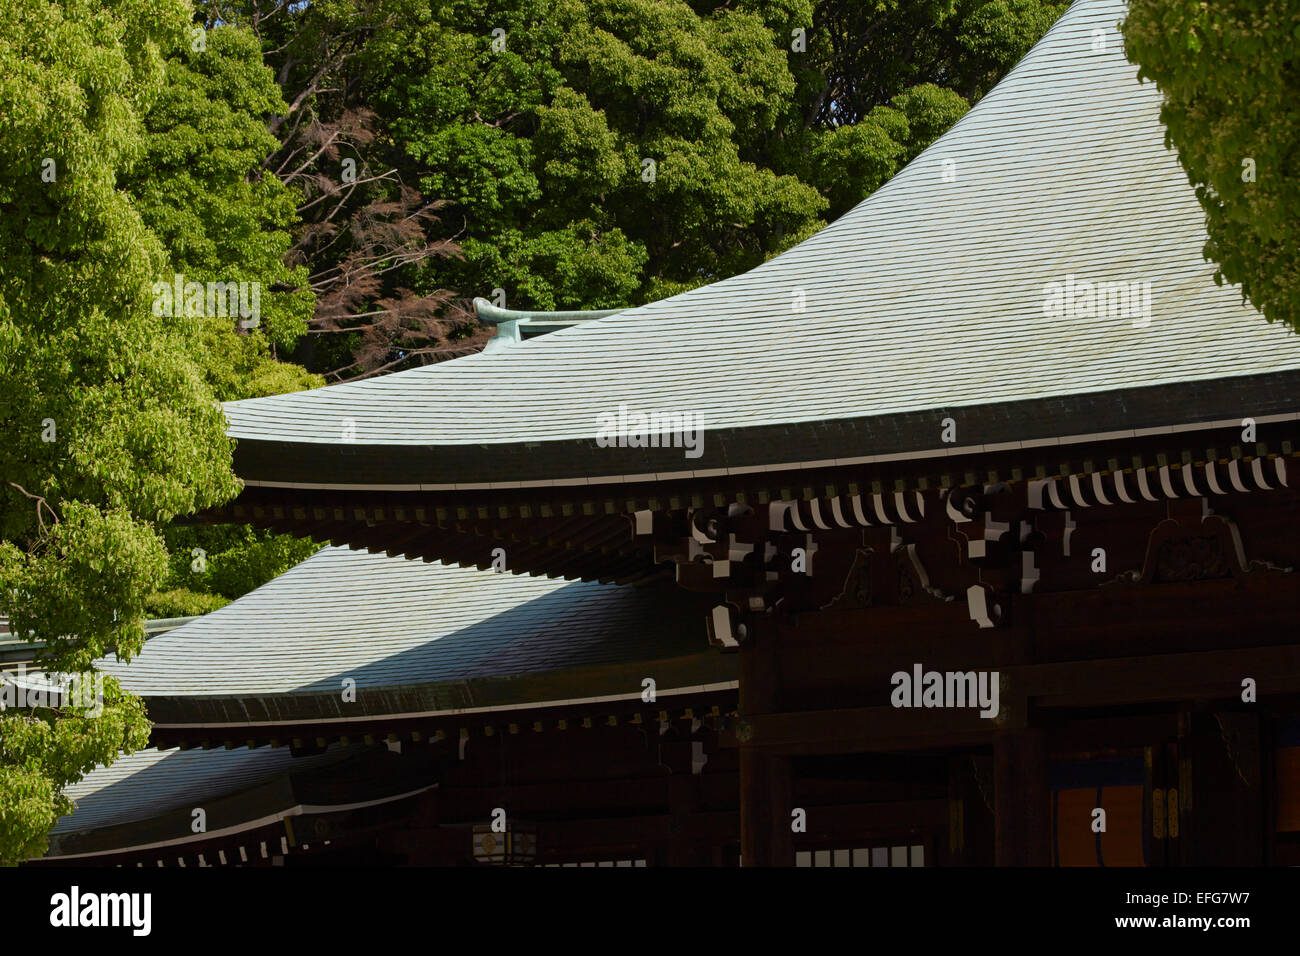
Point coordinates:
[(146, 801), (417, 639), (928, 300), (150, 782)]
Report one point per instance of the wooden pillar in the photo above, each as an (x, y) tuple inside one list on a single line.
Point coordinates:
[(970, 815), (1022, 804), (1222, 799), (765, 784), (682, 802), (765, 835)]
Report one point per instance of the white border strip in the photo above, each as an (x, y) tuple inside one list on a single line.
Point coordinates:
[(294, 811), (697, 689)]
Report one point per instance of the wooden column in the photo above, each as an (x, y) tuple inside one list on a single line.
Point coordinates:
[(765, 785), (1022, 806), (1222, 799), (970, 817), (682, 803), (765, 835)]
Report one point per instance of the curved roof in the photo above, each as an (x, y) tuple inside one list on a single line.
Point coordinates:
[(151, 782), (416, 638), (145, 802), (925, 301)]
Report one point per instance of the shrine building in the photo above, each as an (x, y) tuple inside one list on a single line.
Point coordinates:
[(977, 526)]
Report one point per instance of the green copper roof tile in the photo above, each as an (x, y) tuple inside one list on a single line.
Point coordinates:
[(928, 296)]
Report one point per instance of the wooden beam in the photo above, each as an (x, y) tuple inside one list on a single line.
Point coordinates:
[(1163, 678), (1208, 675), (868, 730)]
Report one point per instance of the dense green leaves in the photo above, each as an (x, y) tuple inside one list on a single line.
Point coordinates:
[(612, 152), (211, 565), (201, 187), (108, 427), (40, 756), (1230, 75), (130, 156), (595, 143)]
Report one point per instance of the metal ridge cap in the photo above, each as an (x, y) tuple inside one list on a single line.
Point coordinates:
[(490, 314), (152, 626)]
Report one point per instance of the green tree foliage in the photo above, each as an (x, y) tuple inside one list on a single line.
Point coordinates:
[(863, 53), (202, 190), (536, 119), (211, 565), (109, 428), (1230, 75), (543, 137), (157, 135), (365, 228), (221, 216)]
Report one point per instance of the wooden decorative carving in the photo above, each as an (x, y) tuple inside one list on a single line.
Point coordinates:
[(857, 591), (913, 581), (1177, 552), (1192, 557)]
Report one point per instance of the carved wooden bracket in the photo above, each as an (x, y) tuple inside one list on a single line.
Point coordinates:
[(980, 544), (1177, 551)]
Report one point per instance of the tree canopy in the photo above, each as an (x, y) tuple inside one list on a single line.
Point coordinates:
[(1230, 77), (129, 153), (608, 153), (591, 154), (109, 427)]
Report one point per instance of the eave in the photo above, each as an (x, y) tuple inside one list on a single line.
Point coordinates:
[(783, 449), (588, 531)]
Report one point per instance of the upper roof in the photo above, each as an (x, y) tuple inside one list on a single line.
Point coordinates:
[(926, 301), (416, 638)]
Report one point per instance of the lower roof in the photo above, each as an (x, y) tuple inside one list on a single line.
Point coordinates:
[(147, 801), (152, 781), (416, 638), (352, 634)]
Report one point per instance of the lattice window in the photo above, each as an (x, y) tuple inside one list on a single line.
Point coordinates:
[(913, 855), (601, 863)]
